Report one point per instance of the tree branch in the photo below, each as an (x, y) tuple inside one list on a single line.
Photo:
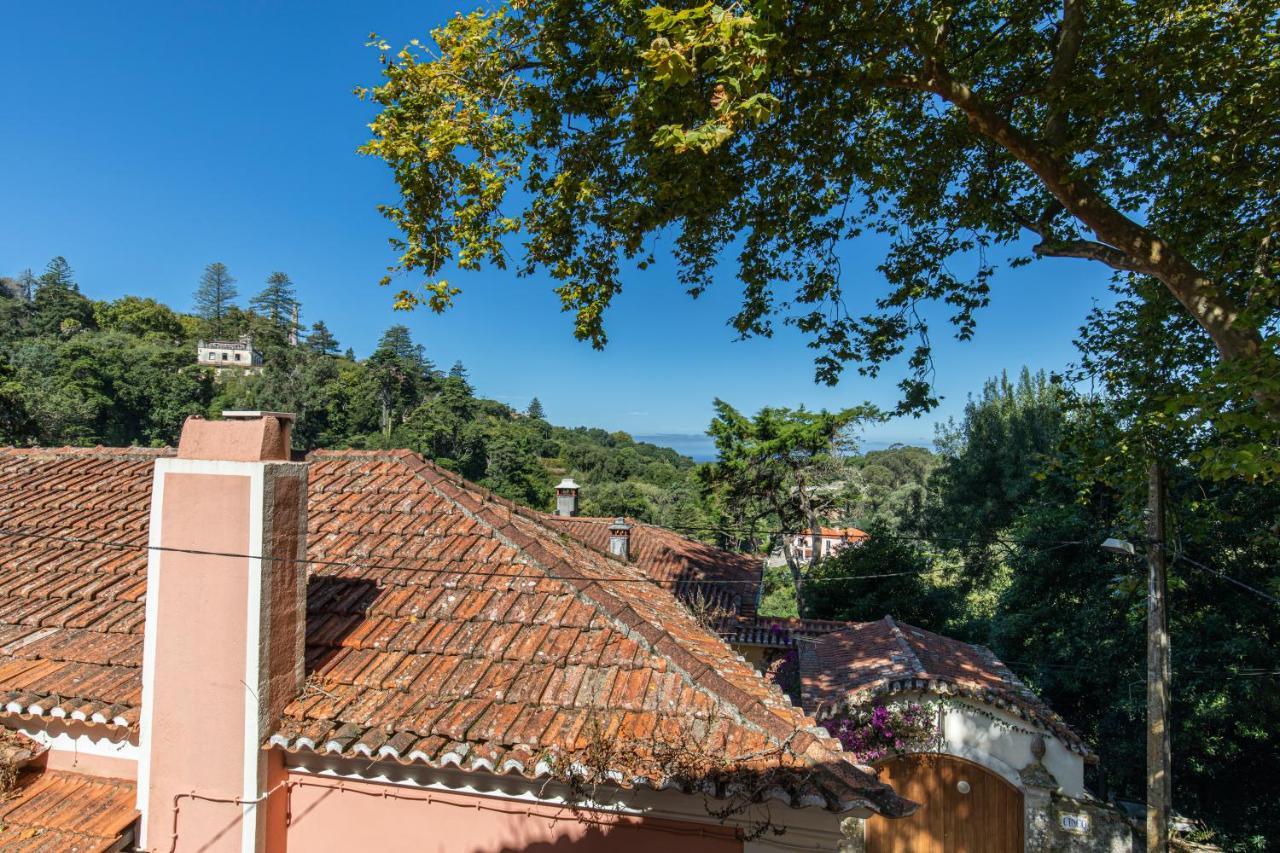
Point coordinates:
[(1089, 250), (1070, 35)]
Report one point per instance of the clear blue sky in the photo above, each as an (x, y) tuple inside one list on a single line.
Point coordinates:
[(146, 139)]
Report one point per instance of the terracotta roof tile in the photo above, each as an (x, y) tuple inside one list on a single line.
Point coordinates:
[(851, 666), (66, 812), (718, 579), (437, 614)]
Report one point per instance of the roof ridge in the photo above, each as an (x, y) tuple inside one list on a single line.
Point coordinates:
[(98, 450), (905, 644), (700, 673)]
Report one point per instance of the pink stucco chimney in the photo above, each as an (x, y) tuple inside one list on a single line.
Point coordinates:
[(223, 650)]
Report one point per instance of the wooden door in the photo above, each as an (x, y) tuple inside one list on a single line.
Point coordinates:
[(964, 808)]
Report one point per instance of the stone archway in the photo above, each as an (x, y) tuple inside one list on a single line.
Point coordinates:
[(964, 808)]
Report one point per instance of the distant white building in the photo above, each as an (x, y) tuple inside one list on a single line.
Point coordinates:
[(806, 545), (230, 355)]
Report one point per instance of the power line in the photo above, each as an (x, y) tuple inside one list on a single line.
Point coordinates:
[(44, 534), (972, 540), (1223, 576)]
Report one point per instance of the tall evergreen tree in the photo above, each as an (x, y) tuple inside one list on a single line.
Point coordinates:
[(277, 301), (458, 371), (58, 305), (535, 410), (321, 340), (215, 295), (27, 284)]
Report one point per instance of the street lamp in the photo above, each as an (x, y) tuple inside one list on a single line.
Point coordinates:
[(1159, 786)]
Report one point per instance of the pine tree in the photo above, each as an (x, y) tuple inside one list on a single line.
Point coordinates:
[(277, 301), (321, 340), (58, 305), (27, 284), (458, 371), (535, 410), (215, 295)]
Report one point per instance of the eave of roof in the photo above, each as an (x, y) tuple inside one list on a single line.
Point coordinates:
[(849, 668)]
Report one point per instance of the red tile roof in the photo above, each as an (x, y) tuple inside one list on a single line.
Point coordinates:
[(850, 667), (774, 632), (444, 625), (71, 610), (719, 580), (60, 812)]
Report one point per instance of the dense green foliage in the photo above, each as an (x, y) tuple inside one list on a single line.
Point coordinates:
[(1135, 136), (80, 372), (1005, 551)]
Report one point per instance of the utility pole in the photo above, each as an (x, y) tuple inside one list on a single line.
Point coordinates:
[(1159, 787)]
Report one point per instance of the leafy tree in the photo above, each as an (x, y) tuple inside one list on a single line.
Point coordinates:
[(141, 317), (888, 489), (1136, 137), (851, 585), (779, 465), (277, 301), (58, 305), (16, 425), (989, 457), (321, 340), (214, 296), (535, 410)]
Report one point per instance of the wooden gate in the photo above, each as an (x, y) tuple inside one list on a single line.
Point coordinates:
[(964, 808)]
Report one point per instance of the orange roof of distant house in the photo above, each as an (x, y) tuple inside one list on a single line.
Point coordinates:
[(60, 811), (445, 625), (724, 581), (850, 667), (850, 534)]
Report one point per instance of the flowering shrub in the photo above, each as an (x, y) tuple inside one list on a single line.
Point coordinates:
[(876, 732), (785, 672)]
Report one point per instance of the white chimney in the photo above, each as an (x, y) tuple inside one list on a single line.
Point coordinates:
[(620, 538), (567, 498)]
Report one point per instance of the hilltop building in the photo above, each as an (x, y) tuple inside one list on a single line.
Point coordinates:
[(228, 355)]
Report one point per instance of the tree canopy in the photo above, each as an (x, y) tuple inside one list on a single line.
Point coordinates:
[(1140, 137)]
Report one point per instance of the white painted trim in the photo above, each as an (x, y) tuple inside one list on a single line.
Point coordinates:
[(254, 780), (76, 737), (149, 645)]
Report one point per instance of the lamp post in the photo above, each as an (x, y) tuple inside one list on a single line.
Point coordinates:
[(1159, 782)]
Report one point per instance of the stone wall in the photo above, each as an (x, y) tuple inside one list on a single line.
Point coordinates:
[(1086, 826)]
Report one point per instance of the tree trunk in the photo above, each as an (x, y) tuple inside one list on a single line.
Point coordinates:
[(797, 579), (1124, 244)]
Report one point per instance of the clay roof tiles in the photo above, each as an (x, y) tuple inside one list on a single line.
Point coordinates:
[(71, 607), (445, 626), (61, 812), (852, 666), (713, 578), (508, 647)]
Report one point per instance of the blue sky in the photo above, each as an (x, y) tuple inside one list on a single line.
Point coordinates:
[(143, 140)]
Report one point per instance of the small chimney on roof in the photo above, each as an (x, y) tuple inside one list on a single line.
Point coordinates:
[(620, 538), (567, 498)]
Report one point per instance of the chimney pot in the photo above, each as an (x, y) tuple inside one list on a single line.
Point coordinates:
[(241, 436), (620, 538), (567, 498)]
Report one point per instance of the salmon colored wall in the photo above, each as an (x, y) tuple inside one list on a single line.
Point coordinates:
[(198, 720), (325, 818)]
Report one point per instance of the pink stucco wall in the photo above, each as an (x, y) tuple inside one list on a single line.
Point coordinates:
[(198, 728), (326, 816)]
